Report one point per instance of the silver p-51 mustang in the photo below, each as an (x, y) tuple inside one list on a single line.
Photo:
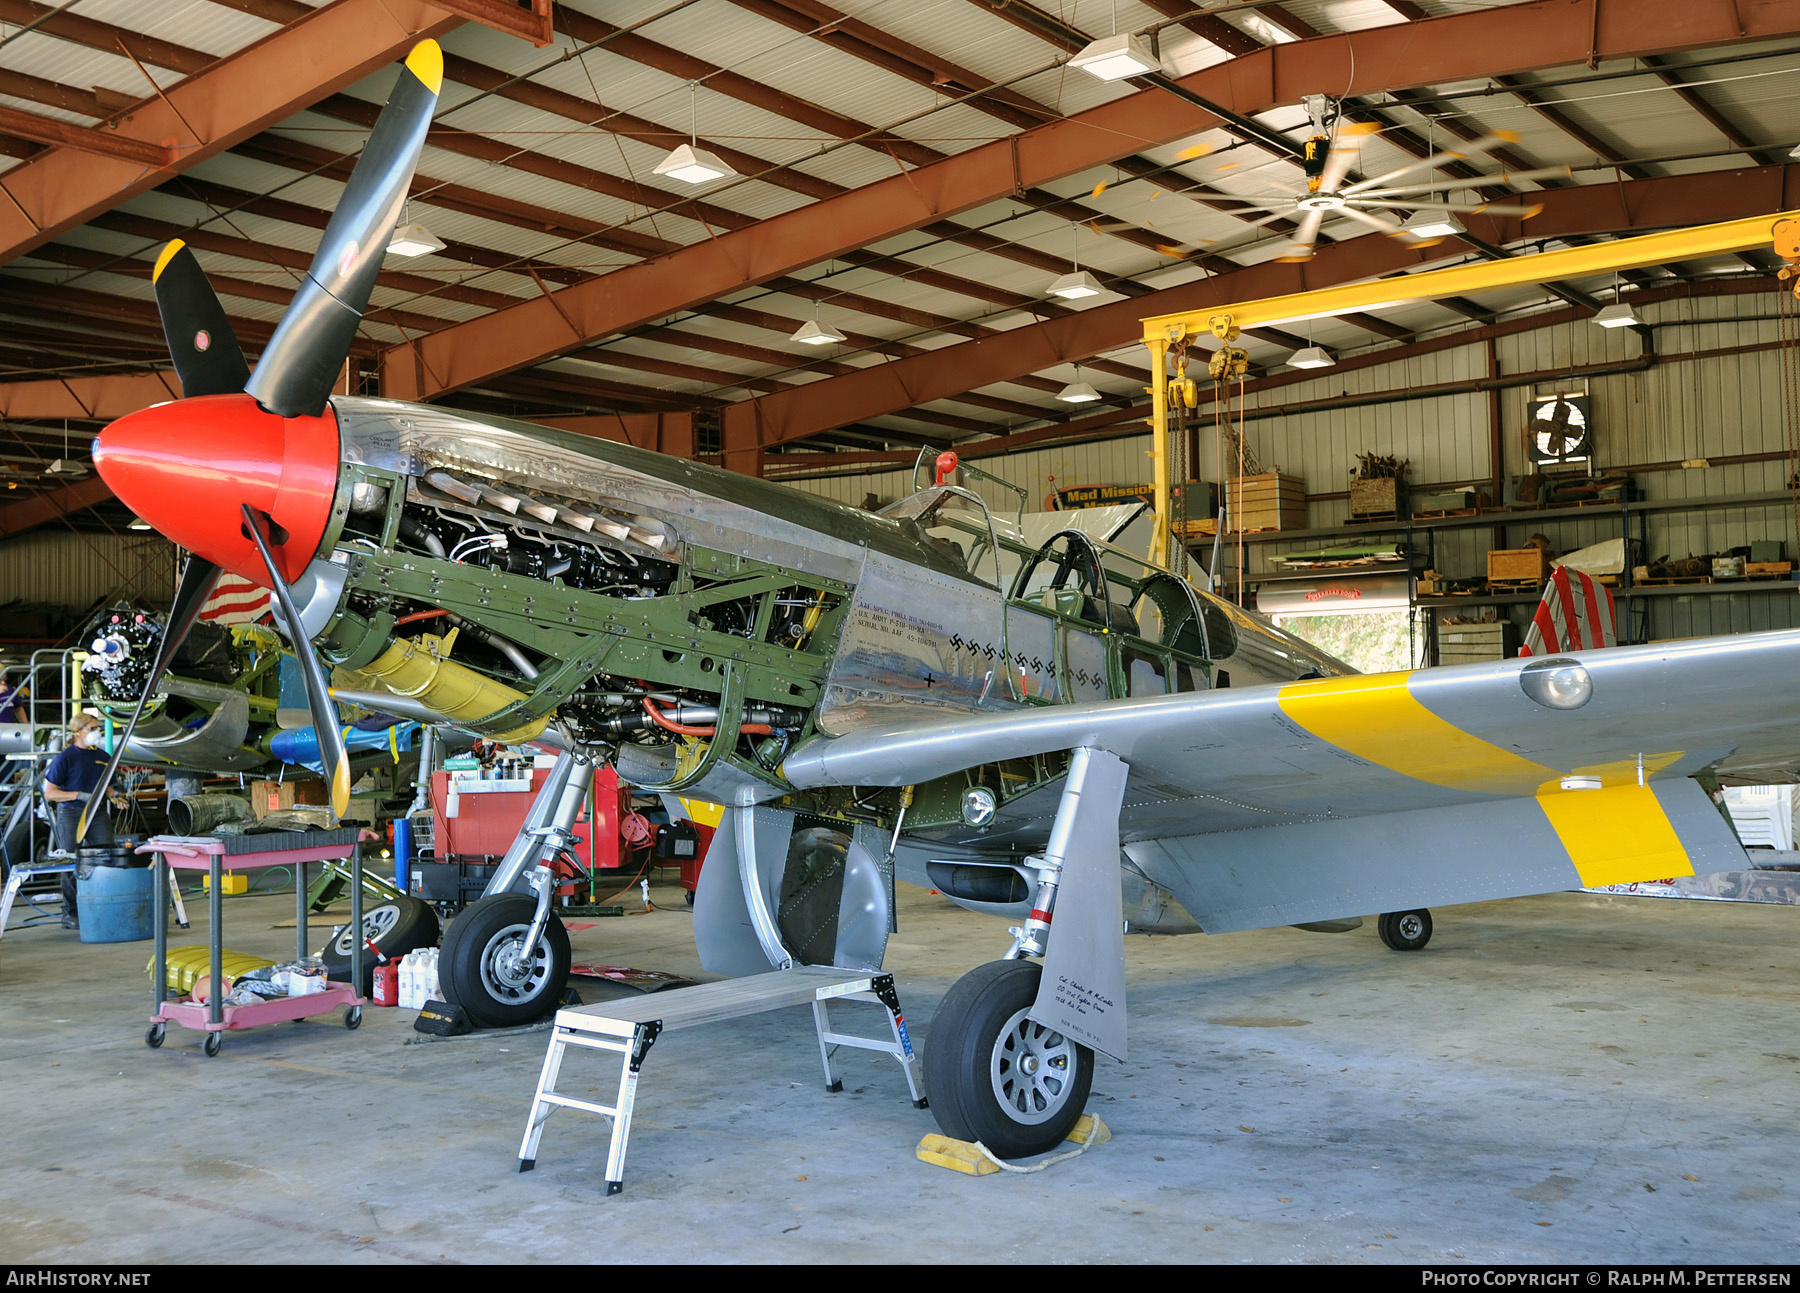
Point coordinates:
[(1055, 733)]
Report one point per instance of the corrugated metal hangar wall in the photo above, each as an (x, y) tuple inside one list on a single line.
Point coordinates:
[(74, 570)]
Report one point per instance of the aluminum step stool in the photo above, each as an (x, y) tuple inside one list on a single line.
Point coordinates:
[(20, 875), (629, 1028)]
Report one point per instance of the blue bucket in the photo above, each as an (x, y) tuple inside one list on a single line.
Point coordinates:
[(114, 902)]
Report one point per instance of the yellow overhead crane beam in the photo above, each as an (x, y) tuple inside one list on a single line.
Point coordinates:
[(1780, 232)]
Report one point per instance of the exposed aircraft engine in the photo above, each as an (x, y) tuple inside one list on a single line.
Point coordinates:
[(122, 643), (200, 713), (685, 639)]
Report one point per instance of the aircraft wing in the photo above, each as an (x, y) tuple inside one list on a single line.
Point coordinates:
[(1526, 770)]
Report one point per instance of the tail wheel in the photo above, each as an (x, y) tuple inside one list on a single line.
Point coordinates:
[(997, 1076), (1405, 931), (486, 968)]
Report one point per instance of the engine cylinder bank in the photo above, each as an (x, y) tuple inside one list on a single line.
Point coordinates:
[(421, 669)]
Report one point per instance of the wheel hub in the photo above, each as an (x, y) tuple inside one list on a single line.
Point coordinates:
[(1032, 1070), (376, 926), (511, 974), (1411, 927)]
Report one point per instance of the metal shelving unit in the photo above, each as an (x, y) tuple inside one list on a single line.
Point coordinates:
[(1626, 513)]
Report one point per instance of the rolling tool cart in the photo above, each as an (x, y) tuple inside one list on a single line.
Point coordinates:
[(248, 852)]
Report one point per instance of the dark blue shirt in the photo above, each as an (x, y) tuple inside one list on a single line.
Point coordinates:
[(77, 769)]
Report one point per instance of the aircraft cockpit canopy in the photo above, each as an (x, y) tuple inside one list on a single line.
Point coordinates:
[(956, 526)]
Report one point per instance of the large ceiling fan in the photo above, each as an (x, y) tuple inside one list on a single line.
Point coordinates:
[(1329, 158)]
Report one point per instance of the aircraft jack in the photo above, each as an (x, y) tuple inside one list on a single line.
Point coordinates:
[(976, 1160), (629, 1028)]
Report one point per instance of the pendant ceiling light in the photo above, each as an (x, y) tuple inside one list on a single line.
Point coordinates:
[(690, 163), (814, 333), (414, 239), (1113, 58), (1077, 283), (1078, 391)]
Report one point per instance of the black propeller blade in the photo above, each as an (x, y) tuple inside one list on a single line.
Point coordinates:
[(297, 371), (332, 750), (197, 580), (205, 349), (295, 375)]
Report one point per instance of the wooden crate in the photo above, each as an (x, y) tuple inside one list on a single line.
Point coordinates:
[(274, 796), (1266, 502), (1375, 497), (1518, 565), (1473, 643)]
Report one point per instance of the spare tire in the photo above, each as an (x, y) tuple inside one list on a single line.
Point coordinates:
[(398, 926)]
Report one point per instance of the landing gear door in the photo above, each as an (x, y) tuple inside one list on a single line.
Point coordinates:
[(781, 888)]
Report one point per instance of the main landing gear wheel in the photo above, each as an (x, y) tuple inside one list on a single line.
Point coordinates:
[(397, 926), (485, 968), (1405, 931), (998, 1077)]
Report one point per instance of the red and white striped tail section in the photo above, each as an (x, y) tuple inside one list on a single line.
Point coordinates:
[(1576, 614), (235, 600)]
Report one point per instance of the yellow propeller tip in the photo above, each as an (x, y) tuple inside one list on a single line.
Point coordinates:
[(427, 63), (168, 254)]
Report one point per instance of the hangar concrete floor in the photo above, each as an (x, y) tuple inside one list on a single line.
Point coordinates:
[(1554, 1079)]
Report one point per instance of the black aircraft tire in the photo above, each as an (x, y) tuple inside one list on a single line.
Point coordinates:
[(1405, 931), (478, 969), (398, 926), (996, 1077)]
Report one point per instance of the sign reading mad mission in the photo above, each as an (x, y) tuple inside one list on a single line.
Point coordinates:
[(1071, 497)]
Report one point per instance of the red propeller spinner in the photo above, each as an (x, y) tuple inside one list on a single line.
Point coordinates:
[(189, 466)]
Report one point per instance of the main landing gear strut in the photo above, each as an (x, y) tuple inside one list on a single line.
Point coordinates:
[(1007, 1062), (505, 959)]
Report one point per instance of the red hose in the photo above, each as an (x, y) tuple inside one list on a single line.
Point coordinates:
[(681, 729), (417, 616)]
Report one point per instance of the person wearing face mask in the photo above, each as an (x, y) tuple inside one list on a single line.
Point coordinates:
[(73, 775)]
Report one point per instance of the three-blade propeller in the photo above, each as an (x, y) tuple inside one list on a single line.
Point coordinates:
[(294, 376)]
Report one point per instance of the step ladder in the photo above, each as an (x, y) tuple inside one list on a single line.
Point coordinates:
[(57, 867), (629, 1028), (22, 875)]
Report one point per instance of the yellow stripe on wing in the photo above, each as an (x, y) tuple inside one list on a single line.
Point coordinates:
[(1616, 835), (1375, 717)]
